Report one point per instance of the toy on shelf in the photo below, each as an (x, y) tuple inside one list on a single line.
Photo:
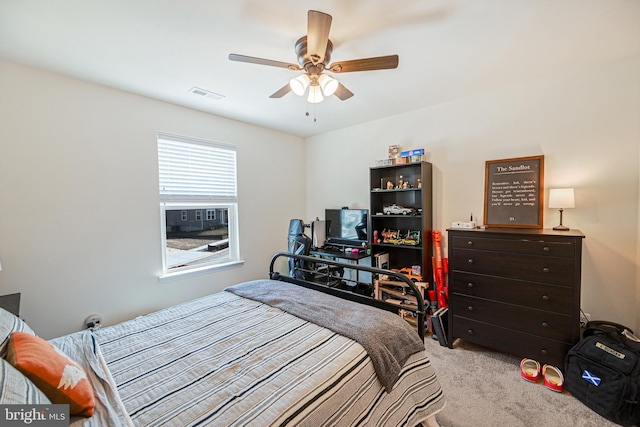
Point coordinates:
[(410, 272), (397, 210), (394, 237), (390, 236), (412, 238)]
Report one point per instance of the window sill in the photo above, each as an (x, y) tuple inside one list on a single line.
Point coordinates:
[(183, 274)]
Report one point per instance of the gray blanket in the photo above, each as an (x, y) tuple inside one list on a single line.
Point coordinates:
[(387, 338)]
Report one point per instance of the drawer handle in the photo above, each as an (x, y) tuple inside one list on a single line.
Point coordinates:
[(470, 285), (545, 324), (470, 331), (470, 243), (470, 261), (546, 249), (470, 308), (544, 351), (545, 269), (545, 297)]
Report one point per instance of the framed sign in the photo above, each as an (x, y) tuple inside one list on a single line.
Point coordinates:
[(513, 192)]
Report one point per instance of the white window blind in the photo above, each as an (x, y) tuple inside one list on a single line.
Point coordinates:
[(194, 170)]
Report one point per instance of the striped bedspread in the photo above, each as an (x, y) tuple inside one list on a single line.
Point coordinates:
[(224, 360)]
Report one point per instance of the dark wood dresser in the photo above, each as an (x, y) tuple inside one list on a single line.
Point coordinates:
[(516, 290)]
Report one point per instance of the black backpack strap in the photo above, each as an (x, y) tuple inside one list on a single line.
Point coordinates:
[(616, 331), (606, 325)]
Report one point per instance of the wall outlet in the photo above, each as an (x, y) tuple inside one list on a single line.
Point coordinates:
[(584, 318), (93, 321)]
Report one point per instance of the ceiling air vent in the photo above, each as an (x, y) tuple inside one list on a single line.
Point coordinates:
[(206, 93)]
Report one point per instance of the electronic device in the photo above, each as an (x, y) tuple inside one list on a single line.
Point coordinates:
[(346, 227), (318, 236), (463, 224)]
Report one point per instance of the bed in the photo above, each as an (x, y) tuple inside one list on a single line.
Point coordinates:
[(264, 353)]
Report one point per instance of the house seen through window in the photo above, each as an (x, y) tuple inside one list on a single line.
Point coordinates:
[(198, 202)]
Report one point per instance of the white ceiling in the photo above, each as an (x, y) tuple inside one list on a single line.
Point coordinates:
[(448, 49)]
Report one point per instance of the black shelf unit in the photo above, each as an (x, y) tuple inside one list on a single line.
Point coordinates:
[(415, 196)]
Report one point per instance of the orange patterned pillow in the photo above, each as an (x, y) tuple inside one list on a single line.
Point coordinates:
[(61, 379)]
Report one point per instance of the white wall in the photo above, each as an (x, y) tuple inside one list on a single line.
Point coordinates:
[(79, 218), (586, 122), (79, 211)]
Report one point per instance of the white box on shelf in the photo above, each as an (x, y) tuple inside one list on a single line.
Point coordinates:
[(463, 224)]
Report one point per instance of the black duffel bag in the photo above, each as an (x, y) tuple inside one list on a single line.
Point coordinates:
[(603, 372)]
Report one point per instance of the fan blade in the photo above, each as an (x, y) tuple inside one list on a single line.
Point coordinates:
[(282, 91), (342, 92), (318, 26), (260, 61), (366, 64)]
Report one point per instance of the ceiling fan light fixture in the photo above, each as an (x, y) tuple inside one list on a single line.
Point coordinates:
[(315, 94), (328, 84), (313, 52), (300, 84)]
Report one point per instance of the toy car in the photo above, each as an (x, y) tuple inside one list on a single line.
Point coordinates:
[(409, 273), (396, 210)]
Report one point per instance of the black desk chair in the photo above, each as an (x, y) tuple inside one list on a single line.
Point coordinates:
[(300, 244)]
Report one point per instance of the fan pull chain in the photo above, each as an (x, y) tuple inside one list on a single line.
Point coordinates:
[(314, 112)]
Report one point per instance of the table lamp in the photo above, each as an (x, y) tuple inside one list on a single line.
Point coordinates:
[(561, 198)]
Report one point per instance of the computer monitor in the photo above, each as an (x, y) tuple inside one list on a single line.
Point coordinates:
[(347, 227)]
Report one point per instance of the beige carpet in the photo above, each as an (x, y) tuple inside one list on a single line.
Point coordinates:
[(483, 388)]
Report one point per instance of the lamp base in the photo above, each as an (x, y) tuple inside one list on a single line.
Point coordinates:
[(561, 227)]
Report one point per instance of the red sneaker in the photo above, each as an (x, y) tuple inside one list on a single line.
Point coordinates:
[(530, 370), (553, 378)]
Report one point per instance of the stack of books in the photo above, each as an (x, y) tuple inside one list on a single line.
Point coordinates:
[(439, 321)]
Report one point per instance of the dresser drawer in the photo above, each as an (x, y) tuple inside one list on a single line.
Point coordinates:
[(559, 271), (531, 246), (542, 349), (558, 299), (537, 322)]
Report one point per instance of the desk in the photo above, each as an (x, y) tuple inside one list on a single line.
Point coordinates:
[(333, 253), (341, 255)]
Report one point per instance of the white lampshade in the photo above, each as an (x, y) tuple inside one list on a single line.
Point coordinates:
[(0, 267), (315, 95), (328, 84), (561, 198), (299, 84)]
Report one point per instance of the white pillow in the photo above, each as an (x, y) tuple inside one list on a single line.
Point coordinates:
[(16, 389), (10, 323)]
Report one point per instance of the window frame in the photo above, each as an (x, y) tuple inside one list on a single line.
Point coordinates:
[(200, 202)]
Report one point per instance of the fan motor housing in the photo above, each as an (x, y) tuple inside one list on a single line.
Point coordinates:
[(303, 54)]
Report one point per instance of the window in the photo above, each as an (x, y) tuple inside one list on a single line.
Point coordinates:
[(197, 175)]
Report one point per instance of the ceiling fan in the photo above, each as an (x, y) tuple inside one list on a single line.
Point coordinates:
[(314, 53)]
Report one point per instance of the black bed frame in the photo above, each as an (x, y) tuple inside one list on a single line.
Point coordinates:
[(318, 265)]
